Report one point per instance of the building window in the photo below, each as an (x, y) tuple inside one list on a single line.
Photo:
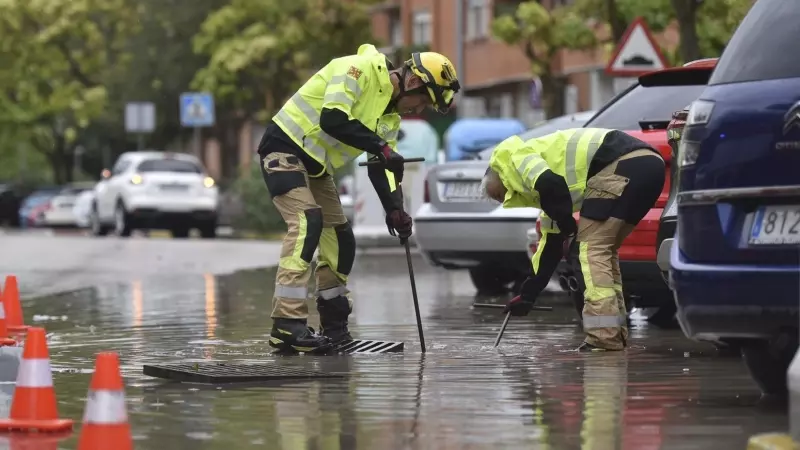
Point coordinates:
[(478, 19), (395, 29), (421, 28)]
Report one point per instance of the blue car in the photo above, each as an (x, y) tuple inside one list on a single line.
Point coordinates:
[(735, 260), (36, 198)]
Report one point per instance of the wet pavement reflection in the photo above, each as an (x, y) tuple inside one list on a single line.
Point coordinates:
[(532, 392)]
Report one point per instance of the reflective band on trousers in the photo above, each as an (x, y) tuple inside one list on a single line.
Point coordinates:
[(601, 321), (333, 292), (291, 292), (34, 373), (105, 407)]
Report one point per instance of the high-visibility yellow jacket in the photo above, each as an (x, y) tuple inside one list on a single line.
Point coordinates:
[(567, 153), (358, 85)]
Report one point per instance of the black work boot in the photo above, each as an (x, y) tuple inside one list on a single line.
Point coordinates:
[(294, 334), (333, 318)]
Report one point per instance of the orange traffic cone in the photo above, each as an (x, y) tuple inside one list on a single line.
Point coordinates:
[(14, 319), (33, 407), (5, 340), (48, 441), (105, 420)]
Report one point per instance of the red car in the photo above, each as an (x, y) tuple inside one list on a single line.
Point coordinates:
[(643, 111)]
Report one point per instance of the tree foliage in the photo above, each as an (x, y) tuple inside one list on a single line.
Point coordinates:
[(259, 52), (58, 55), (543, 33)]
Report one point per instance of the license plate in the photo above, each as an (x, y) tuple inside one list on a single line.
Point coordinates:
[(775, 225), (462, 191), (174, 187)]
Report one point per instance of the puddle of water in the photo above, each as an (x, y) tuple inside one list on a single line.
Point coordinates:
[(531, 392)]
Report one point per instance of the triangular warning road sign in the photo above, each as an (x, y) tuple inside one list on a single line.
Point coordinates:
[(637, 52)]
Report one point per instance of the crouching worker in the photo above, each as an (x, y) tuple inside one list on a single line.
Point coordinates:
[(613, 179), (352, 105)]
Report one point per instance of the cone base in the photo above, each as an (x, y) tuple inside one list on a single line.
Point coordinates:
[(19, 328), (33, 425), (7, 342)]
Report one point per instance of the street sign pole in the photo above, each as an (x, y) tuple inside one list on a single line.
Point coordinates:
[(197, 138)]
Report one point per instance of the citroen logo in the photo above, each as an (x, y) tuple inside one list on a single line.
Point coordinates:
[(792, 118)]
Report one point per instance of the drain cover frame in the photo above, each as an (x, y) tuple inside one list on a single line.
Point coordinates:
[(220, 373), (369, 347)]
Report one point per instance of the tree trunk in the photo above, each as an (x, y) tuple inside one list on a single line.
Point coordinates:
[(686, 12), (616, 21), (553, 95)]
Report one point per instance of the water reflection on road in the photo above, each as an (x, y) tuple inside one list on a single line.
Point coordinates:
[(532, 392)]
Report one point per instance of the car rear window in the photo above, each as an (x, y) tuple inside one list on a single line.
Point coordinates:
[(168, 165), (763, 45), (655, 103)]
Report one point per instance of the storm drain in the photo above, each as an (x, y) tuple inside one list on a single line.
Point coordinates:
[(215, 373), (361, 347)]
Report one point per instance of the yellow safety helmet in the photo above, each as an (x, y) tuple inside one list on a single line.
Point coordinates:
[(439, 76)]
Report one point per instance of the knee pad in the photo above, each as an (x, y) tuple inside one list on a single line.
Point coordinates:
[(313, 232), (347, 248)]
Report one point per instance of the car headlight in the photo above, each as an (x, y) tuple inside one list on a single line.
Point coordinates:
[(208, 182), (699, 112), (136, 179)]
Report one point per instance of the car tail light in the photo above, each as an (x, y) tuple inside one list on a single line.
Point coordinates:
[(539, 228), (342, 190), (426, 194)]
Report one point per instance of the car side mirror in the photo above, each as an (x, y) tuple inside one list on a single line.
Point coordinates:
[(105, 174)]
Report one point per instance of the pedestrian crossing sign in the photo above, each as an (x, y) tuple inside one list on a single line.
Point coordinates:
[(197, 109)]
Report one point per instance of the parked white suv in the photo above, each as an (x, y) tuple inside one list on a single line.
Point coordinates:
[(156, 190)]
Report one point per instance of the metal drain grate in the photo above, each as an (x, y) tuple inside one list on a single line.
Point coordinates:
[(215, 373), (361, 347)]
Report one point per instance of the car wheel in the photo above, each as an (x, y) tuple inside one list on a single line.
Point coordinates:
[(492, 281), (180, 232), (122, 222), (768, 362), (97, 227)]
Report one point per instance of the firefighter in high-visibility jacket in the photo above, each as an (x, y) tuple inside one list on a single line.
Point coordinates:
[(613, 179), (350, 106)]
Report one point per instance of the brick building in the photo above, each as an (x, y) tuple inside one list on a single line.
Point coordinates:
[(496, 77)]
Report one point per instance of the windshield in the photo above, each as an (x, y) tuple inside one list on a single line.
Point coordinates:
[(762, 46), (168, 165), (655, 103)]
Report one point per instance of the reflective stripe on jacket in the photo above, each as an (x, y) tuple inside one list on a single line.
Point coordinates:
[(567, 153), (358, 85)]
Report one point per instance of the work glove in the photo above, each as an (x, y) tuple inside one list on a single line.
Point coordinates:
[(568, 227), (399, 224), (522, 304), (393, 162)]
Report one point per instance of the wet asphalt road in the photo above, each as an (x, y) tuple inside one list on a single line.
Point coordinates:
[(166, 301)]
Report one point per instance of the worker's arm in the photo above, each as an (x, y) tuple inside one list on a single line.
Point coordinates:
[(555, 199), (389, 191), (549, 253)]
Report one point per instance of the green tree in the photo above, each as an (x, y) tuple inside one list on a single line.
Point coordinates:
[(57, 57), (543, 33)]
